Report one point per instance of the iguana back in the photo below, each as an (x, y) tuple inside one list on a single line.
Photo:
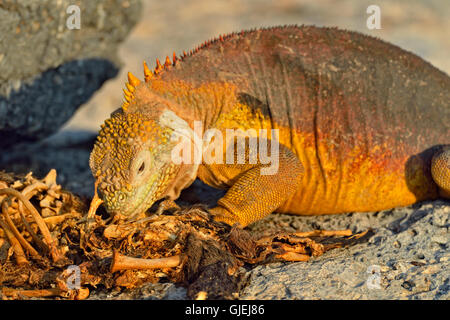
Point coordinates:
[(357, 111)]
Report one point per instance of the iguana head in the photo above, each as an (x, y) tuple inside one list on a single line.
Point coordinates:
[(132, 159), (131, 163)]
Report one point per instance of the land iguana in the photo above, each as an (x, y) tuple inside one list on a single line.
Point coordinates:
[(362, 126)]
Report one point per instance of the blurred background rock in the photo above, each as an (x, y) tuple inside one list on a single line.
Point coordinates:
[(47, 68)]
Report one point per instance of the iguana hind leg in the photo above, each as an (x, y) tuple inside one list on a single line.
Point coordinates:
[(440, 171)]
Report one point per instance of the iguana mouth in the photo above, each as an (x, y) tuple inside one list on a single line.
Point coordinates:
[(134, 203), (142, 201)]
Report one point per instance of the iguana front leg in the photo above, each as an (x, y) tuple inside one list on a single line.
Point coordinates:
[(252, 195)]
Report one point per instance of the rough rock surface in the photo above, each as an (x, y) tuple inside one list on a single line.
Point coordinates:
[(407, 258), (48, 70)]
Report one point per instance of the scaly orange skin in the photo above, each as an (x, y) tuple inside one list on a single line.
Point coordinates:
[(359, 119)]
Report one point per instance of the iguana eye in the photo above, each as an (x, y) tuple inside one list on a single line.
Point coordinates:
[(142, 164), (141, 167)]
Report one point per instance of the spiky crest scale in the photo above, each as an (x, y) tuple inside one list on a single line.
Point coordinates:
[(174, 58), (167, 63), (133, 80), (147, 73), (131, 85), (158, 67)]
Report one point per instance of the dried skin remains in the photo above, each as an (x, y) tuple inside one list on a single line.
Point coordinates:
[(185, 247)]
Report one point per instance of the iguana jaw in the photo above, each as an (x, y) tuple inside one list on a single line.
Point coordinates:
[(141, 197), (168, 185), (137, 203)]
